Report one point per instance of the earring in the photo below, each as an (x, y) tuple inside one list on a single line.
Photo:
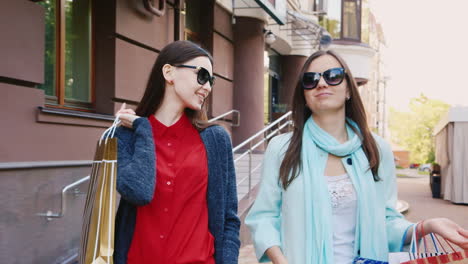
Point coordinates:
[(171, 82), (348, 97)]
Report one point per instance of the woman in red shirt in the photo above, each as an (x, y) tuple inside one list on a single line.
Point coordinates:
[(187, 218)]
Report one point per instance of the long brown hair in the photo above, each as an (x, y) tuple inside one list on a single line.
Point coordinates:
[(177, 52), (354, 109)]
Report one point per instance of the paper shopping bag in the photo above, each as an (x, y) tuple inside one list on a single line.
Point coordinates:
[(440, 256), (97, 237)]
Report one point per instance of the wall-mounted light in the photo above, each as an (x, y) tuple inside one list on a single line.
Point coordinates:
[(325, 39), (270, 38)]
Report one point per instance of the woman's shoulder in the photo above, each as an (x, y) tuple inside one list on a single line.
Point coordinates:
[(280, 142), (383, 145), (215, 134), (381, 142), (215, 129), (283, 138), (141, 126)]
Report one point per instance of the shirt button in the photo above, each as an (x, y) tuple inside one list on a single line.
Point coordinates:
[(169, 164), (169, 144), (161, 236), (168, 182), (166, 210)]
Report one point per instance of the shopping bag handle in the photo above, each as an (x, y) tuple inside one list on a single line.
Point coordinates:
[(413, 239), (437, 238), (414, 247), (109, 133)]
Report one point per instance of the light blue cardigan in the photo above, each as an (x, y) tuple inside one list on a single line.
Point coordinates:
[(277, 217)]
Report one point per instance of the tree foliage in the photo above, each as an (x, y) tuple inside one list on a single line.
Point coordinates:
[(413, 130)]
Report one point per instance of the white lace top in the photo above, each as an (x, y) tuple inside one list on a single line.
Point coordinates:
[(344, 210)]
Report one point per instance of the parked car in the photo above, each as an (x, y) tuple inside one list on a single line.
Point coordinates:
[(414, 165), (426, 167)]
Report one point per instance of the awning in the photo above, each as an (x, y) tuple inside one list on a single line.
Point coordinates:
[(276, 9), (305, 32)]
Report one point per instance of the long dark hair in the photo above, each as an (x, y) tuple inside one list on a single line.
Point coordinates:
[(177, 52), (354, 109)]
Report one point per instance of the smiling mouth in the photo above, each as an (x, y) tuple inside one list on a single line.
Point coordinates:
[(323, 94), (201, 97)]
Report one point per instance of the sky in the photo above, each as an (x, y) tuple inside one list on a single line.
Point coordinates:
[(427, 49)]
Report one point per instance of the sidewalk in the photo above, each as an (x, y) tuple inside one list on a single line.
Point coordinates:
[(415, 190), (409, 173), (417, 193)]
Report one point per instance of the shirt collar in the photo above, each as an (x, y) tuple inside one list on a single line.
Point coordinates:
[(177, 129)]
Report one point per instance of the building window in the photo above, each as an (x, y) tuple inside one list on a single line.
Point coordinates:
[(68, 54), (332, 20), (342, 19), (192, 21), (351, 28), (367, 21)]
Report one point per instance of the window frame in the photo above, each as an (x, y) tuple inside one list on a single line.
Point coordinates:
[(359, 21), (59, 101), (316, 4)]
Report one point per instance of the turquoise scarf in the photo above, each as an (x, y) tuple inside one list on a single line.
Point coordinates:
[(319, 231)]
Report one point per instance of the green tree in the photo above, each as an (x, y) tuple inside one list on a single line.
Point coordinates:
[(413, 130)]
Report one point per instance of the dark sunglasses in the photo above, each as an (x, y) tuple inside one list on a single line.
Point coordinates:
[(203, 75), (332, 77)]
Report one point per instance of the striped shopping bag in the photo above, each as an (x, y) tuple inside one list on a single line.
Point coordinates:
[(440, 256)]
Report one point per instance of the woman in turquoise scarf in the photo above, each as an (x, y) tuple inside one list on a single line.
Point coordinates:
[(328, 192)]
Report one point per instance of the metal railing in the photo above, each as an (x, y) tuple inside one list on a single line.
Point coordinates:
[(63, 201), (258, 140), (233, 111)]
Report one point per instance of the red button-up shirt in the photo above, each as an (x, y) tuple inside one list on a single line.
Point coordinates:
[(173, 228)]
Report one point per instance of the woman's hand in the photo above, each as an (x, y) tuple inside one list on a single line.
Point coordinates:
[(276, 255), (126, 116), (447, 229)]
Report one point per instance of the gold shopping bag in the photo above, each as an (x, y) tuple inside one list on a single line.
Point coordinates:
[(97, 236)]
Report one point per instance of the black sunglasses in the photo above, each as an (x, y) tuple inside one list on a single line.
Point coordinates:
[(203, 75), (332, 77)]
